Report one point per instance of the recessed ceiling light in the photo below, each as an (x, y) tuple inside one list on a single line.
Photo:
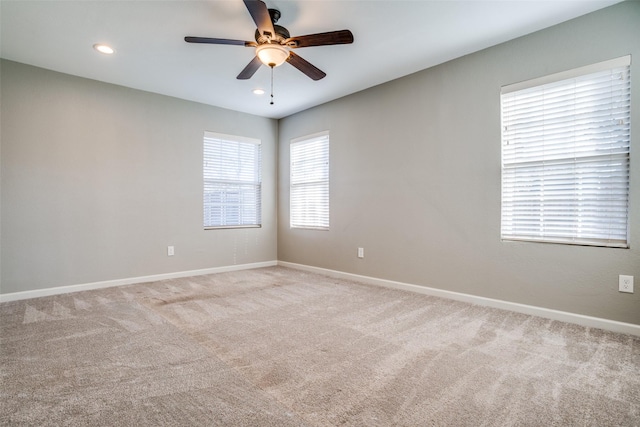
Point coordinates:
[(258, 91), (103, 48)]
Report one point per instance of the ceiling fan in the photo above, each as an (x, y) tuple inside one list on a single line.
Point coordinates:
[(274, 44)]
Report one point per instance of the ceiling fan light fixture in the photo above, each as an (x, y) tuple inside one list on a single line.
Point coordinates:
[(272, 54), (274, 45)]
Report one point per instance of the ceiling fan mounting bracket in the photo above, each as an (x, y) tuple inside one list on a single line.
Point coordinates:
[(275, 15)]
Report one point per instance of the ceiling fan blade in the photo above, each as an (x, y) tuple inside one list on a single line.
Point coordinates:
[(321, 39), (306, 67), (210, 40), (261, 17), (250, 69)]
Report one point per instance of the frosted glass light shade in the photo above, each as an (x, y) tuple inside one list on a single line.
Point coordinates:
[(272, 55)]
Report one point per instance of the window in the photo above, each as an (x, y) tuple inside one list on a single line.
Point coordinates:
[(565, 157), (232, 181), (309, 189)]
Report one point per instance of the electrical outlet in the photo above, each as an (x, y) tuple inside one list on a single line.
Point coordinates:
[(360, 252), (170, 251), (625, 284)]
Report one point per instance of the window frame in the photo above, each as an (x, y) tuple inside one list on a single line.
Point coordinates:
[(213, 177), (319, 220), (567, 171)]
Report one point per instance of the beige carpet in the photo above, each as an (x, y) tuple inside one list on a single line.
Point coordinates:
[(280, 347)]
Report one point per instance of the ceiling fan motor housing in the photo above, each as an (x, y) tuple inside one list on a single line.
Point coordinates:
[(280, 36)]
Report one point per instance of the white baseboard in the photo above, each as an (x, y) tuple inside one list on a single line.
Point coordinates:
[(579, 319), (593, 322), (129, 281)]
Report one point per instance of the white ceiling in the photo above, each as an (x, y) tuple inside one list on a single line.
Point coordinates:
[(393, 38)]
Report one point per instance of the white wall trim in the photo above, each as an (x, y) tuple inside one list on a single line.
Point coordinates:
[(36, 293), (579, 319)]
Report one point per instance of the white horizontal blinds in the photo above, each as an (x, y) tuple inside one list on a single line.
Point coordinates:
[(309, 190), (232, 181), (565, 158)]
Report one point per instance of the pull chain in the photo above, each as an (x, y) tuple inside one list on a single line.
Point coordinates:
[(271, 85)]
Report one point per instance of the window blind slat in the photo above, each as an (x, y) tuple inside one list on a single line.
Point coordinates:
[(565, 160), (309, 182), (232, 181)]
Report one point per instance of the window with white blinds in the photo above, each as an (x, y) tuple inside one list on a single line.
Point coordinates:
[(232, 181), (309, 182), (565, 157)]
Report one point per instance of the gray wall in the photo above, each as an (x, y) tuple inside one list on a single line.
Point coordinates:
[(98, 179), (415, 179)]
